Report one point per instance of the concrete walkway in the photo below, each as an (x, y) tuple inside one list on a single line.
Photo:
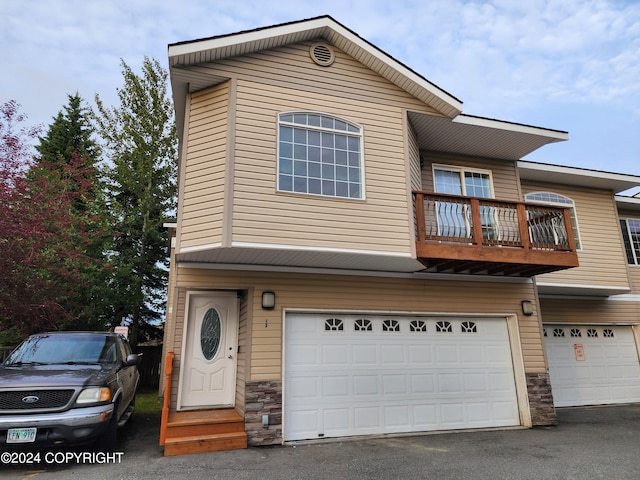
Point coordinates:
[(589, 443)]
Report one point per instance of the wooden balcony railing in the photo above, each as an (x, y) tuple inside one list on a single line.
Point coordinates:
[(480, 235)]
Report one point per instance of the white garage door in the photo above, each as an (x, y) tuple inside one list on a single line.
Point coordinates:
[(592, 364), (363, 375)]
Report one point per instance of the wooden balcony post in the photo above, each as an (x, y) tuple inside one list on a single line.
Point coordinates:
[(420, 219), (523, 226), (568, 226), (477, 222)]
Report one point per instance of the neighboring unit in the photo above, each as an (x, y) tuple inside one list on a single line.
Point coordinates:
[(353, 255)]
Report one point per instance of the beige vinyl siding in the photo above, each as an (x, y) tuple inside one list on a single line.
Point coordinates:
[(263, 215), (291, 67), (414, 160), (614, 310), (286, 79), (201, 218), (634, 278), (503, 173), (364, 294), (602, 257), (242, 355)]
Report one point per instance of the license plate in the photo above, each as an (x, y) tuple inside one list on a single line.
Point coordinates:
[(21, 435)]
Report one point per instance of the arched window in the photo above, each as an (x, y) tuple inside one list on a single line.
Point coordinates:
[(550, 198), (319, 154)]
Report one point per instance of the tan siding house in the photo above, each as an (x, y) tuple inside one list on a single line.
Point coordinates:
[(353, 255)]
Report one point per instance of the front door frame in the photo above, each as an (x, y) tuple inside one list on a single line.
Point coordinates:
[(211, 294)]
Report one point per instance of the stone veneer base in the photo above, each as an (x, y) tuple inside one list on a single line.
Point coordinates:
[(263, 398), (543, 413)]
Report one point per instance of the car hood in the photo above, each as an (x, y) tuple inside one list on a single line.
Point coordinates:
[(33, 376)]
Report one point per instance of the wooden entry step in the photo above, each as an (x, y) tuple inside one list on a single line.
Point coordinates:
[(200, 431)]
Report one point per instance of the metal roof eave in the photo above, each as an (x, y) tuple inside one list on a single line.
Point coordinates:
[(583, 177)]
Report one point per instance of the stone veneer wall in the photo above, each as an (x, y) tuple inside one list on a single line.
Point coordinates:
[(541, 400), (263, 398)]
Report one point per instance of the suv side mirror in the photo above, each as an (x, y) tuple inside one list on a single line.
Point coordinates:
[(132, 359)]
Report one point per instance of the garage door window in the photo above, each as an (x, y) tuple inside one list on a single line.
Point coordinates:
[(363, 325), (468, 327), (444, 327), (418, 326), (333, 325), (390, 326)]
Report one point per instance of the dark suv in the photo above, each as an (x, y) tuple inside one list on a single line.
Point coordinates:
[(67, 388)]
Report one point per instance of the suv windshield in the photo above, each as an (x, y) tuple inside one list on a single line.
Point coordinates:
[(65, 349)]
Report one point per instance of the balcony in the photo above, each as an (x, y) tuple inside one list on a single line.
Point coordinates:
[(482, 236)]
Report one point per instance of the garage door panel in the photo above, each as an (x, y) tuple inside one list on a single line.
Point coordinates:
[(412, 379), (606, 371), (392, 354), (394, 384), (446, 354), (365, 354)]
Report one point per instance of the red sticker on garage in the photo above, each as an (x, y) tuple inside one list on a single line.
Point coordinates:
[(579, 350)]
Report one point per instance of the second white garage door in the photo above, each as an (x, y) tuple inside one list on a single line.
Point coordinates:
[(592, 364), (351, 375)]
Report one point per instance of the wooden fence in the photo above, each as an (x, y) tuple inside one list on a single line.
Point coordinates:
[(149, 366)]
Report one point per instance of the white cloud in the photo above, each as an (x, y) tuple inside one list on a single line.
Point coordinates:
[(514, 60)]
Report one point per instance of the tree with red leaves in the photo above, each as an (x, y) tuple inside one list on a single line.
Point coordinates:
[(41, 238)]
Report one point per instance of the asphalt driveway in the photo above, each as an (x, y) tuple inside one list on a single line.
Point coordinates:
[(589, 443)]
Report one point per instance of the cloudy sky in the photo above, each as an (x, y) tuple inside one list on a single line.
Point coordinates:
[(571, 65)]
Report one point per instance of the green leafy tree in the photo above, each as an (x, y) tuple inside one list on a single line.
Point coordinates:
[(140, 152), (41, 239)]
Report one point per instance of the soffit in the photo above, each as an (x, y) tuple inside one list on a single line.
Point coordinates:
[(480, 137)]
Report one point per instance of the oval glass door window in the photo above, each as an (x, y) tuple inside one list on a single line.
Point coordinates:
[(210, 333)]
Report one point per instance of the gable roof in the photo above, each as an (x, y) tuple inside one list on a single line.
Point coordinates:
[(452, 132), (210, 49)]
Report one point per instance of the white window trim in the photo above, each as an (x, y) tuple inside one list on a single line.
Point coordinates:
[(363, 189), (557, 204), (636, 256), (461, 171)]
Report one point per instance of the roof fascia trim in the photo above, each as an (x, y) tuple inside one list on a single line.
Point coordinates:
[(583, 172), (555, 135), (314, 24)]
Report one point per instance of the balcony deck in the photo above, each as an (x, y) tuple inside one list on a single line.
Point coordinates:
[(457, 234)]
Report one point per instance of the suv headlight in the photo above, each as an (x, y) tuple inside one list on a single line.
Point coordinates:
[(94, 395)]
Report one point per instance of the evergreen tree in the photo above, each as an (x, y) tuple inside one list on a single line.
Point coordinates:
[(71, 131), (68, 142), (140, 152), (42, 239)]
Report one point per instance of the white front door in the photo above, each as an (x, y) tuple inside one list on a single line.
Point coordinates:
[(208, 371)]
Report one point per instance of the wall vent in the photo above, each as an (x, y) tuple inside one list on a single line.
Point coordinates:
[(322, 54)]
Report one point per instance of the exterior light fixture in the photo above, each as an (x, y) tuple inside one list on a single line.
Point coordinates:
[(527, 308), (268, 300)]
